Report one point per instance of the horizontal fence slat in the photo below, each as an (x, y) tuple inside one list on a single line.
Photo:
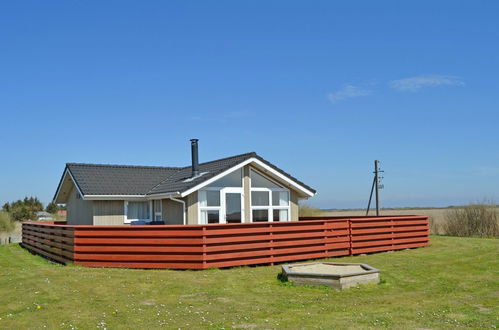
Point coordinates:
[(137, 257), (137, 248), (145, 265)]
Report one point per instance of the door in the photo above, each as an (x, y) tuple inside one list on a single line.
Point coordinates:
[(232, 200)]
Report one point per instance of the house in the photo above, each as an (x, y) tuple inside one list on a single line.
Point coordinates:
[(241, 188), (43, 216)]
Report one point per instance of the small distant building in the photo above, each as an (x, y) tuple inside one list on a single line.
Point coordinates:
[(62, 213), (44, 216)]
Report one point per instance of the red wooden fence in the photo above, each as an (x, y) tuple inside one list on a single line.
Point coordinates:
[(223, 245)]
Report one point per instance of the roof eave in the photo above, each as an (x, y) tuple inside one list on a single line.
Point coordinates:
[(66, 172), (130, 197)]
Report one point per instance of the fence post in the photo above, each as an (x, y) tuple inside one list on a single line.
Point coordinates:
[(203, 232), (392, 234), (324, 224), (350, 237), (271, 234)]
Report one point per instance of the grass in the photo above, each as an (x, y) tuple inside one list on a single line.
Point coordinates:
[(454, 283)]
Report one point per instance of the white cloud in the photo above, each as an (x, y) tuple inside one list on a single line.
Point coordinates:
[(347, 92), (413, 84)]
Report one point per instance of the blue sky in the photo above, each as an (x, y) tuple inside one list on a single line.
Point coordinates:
[(320, 89)]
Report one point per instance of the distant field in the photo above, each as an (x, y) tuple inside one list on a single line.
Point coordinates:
[(437, 215)]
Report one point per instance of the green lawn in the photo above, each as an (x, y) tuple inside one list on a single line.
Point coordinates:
[(453, 283)]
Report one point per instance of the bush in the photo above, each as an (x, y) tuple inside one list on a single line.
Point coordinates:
[(480, 220), (434, 226), (23, 209), (308, 211), (6, 223), (52, 208)]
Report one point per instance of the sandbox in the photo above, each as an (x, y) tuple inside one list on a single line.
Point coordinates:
[(337, 275)]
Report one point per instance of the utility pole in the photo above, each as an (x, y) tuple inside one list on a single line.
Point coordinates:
[(376, 179), (376, 185)]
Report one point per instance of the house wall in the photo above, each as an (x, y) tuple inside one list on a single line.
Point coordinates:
[(294, 207), (109, 212), (192, 209), (80, 212), (172, 212), (247, 194)]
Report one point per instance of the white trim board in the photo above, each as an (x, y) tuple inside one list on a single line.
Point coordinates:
[(134, 197)]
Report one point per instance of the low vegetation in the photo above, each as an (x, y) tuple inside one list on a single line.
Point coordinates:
[(451, 284), (6, 223), (309, 211), (481, 220)]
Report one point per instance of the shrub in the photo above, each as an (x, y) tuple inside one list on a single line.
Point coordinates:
[(480, 220), (6, 223), (309, 211), (434, 226), (52, 208)]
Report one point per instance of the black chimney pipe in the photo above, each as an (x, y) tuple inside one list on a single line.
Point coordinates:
[(194, 156)]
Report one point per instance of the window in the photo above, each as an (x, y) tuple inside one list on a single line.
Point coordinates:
[(157, 207), (136, 211), (269, 201), (221, 200), (260, 215), (260, 198), (259, 181), (209, 205), (234, 179), (210, 216)]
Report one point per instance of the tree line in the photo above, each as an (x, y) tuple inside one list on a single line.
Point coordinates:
[(25, 209)]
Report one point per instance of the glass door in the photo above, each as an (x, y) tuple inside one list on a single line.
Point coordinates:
[(233, 205)]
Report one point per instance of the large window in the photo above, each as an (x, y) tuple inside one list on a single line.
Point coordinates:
[(137, 211), (269, 201), (221, 200)]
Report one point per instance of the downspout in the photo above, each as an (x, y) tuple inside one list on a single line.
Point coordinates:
[(183, 206)]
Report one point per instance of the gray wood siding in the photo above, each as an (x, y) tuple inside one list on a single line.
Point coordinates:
[(109, 212), (294, 207), (172, 212), (247, 194), (80, 212), (192, 209)]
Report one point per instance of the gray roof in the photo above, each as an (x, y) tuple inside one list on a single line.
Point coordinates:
[(98, 179)]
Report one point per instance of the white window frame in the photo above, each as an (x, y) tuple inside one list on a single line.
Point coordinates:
[(222, 208), (269, 207), (153, 211), (126, 220), (222, 218), (209, 208)]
